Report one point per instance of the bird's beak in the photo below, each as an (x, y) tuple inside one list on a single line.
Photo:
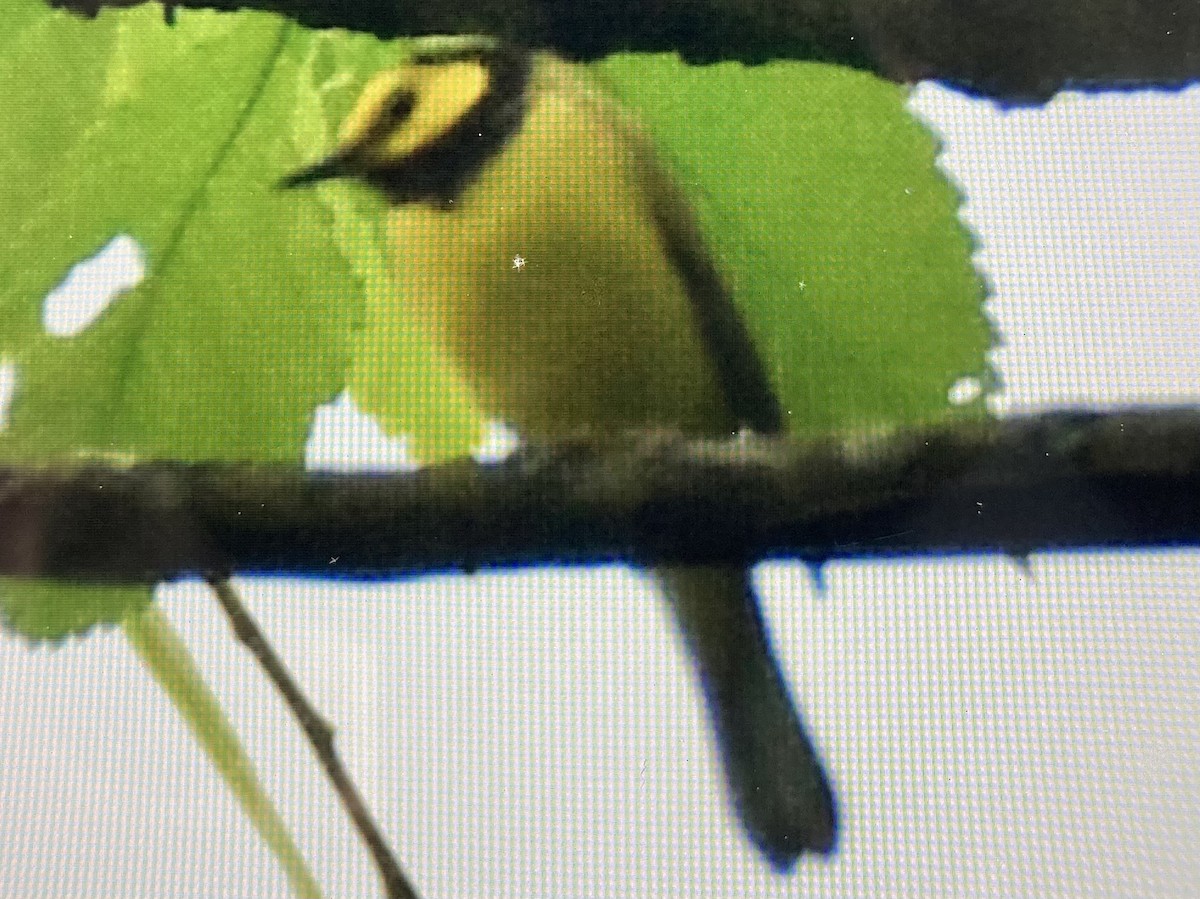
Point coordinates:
[(335, 166)]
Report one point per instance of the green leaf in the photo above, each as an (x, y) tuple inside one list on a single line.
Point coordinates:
[(40, 609), (397, 375), (821, 198), (242, 323), (240, 326)]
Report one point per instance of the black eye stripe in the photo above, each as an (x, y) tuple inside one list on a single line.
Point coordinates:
[(400, 106)]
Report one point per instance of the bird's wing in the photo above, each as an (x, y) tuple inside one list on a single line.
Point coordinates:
[(738, 367)]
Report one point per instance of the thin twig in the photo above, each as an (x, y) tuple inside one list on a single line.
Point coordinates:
[(320, 735)]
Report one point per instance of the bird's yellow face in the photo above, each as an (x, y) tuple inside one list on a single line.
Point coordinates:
[(423, 130), (402, 110)]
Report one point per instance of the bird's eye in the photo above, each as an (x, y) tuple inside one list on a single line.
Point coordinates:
[(400, 106)]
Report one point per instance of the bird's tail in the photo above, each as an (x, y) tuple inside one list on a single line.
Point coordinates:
[(773, 772)]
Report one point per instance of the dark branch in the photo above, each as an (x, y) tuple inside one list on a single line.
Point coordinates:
[(1015, 50), (1043, 483), (320, 736)]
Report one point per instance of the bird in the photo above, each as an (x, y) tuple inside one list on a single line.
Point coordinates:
[(616, 317)]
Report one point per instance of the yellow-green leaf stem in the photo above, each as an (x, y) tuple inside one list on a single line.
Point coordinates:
[(163, 651)]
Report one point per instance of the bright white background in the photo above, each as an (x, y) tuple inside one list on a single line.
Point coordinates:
[(991, 730)]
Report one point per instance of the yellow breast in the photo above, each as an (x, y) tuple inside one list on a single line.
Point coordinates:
[(548, 282)]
